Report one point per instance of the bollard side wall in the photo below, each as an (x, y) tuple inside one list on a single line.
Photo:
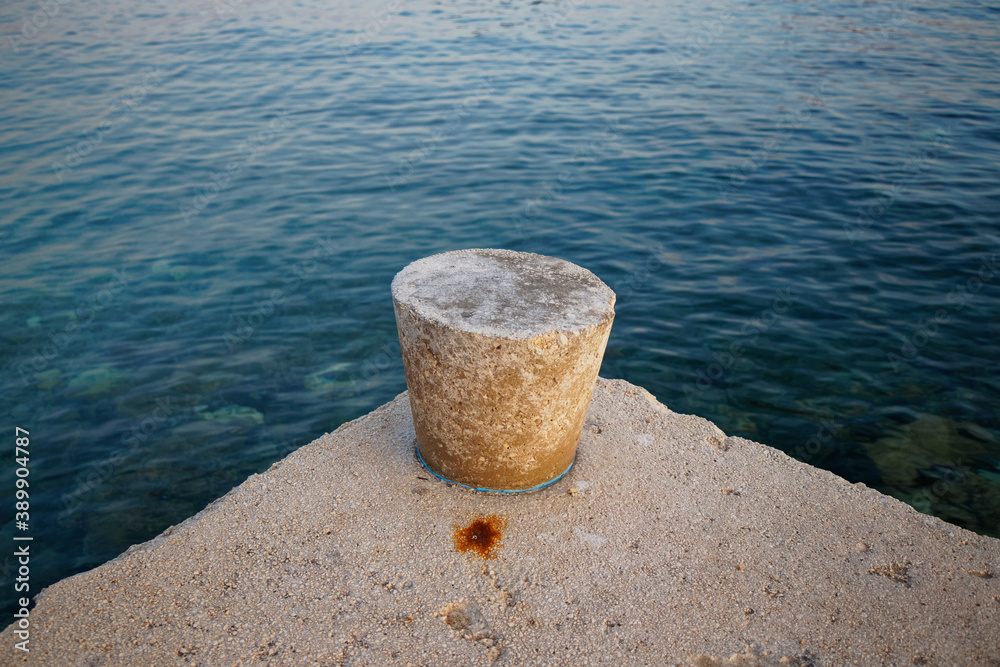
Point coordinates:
[(498, 413)]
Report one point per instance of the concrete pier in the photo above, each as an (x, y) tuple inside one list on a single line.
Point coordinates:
[(667, 543)]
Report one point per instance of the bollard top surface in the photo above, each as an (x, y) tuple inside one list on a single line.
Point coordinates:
[(504, 293)]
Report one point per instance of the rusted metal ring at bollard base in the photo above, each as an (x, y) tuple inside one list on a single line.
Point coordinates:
[(484, 490)]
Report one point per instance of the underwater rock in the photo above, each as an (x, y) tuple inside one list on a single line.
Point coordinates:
[(929, 465), (920, 445), (240, 415), (331, 379), (48, 379), (95, 381), (165, 266)]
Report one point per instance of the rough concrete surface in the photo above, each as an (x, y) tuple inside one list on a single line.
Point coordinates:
[(492, 407), (667, 544)]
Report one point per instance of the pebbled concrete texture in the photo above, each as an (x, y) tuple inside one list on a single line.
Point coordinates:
[(667, 544)]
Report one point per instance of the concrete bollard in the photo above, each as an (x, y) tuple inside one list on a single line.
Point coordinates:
[(501, 351)]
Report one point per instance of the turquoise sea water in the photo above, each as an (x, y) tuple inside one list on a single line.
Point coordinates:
[(204, 203)]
